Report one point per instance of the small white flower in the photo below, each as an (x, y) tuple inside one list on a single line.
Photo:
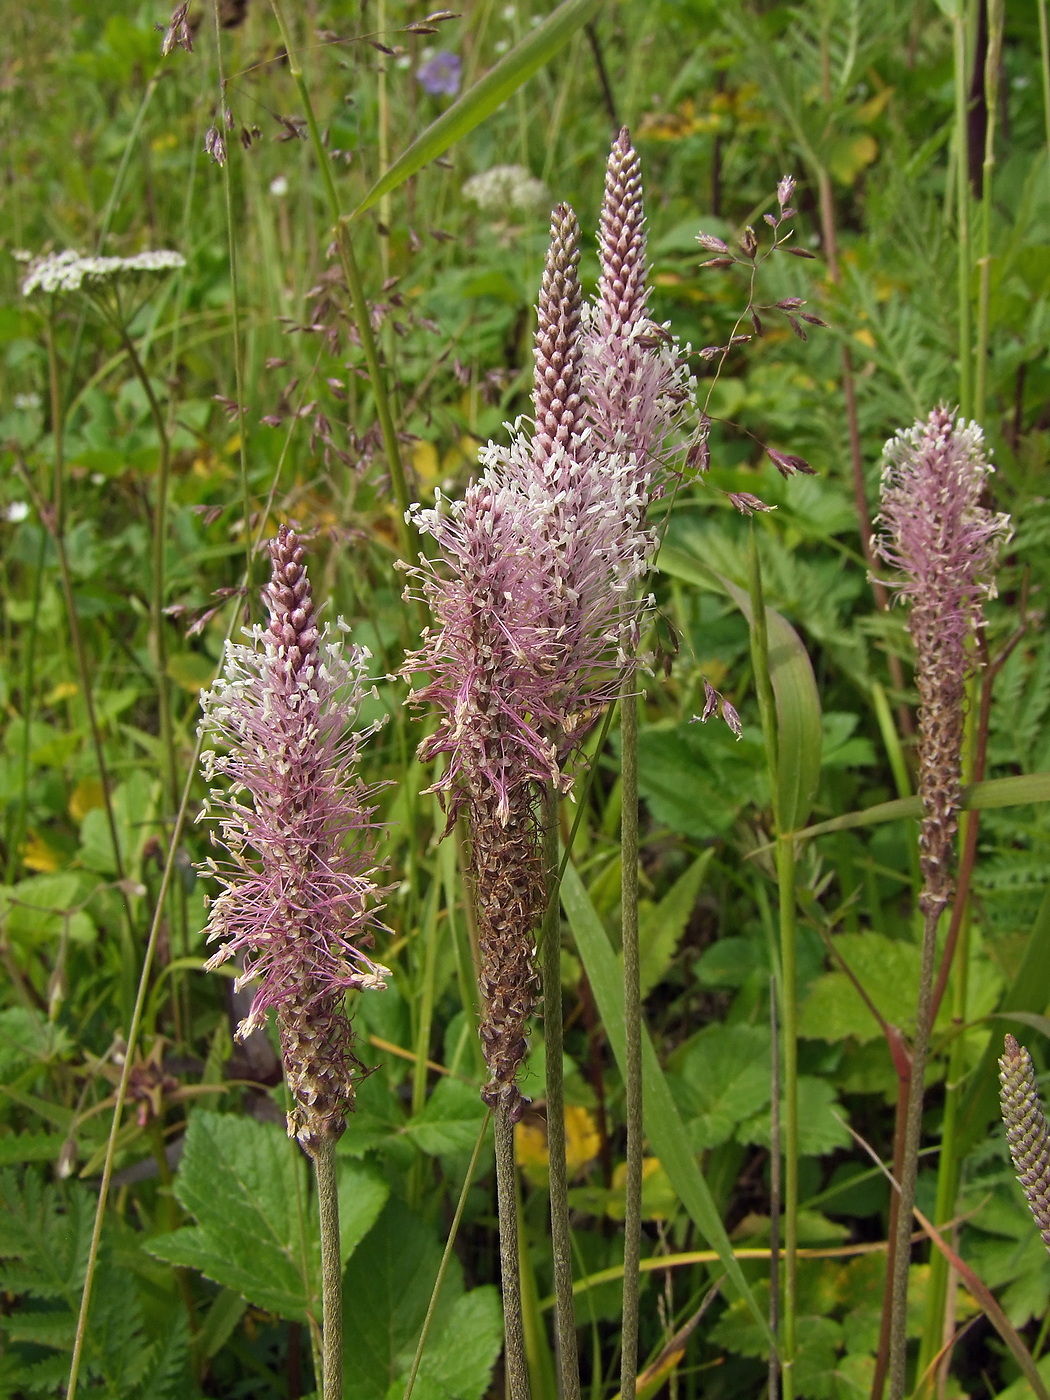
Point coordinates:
[(68, 271), (279, 186), (27, 402), (16, 512), (506, 186)]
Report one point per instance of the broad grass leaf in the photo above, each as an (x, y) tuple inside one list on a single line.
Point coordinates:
[(667, 1135), (487, 94)]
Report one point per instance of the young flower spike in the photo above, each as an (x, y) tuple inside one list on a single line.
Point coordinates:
[(299, 903), (945, 545), (1026, 1131)]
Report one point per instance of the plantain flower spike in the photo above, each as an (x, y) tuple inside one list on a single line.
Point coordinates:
[(945, 545), (299, 901)]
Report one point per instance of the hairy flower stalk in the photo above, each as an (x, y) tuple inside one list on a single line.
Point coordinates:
[(944, 545), (1026, 1131), (298, 902)]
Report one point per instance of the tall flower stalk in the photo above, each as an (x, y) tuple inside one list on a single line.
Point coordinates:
[(534, 596), (944, 545), (298, 902)]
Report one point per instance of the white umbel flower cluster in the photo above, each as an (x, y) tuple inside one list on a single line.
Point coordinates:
[(70, 271), (507, 187)]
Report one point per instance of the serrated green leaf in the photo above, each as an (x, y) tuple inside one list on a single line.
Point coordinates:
[(886, 968), (459, 1365), (29, 1147), (820, 1129), (450, 1120), (490, 92), (661, 925), (386, 1292), (239, 1179), (723, 1077), (664, 1128)]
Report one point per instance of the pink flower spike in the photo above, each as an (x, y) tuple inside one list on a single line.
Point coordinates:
[(945, 546), (299, 902)]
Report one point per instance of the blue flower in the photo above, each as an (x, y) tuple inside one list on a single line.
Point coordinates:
[(441, 75)]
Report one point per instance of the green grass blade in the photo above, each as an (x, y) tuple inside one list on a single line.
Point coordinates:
[(663, 1124), (500, 82), (976, 797)]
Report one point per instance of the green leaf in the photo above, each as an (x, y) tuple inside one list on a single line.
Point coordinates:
[(386, 1293), (29, 1147), (820, 1129), (723, 1077), (696, 779), (488, 93), (664, 1128), (241, 1180), (450, 1120), (986, 796), (886, 968), (661, 925), (799, 727), (800, 731), (459, 1364)]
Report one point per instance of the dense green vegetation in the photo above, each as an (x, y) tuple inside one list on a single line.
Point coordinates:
[(153, 435)]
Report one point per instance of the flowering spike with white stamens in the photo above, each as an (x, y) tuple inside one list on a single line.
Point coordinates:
[(299, 901)]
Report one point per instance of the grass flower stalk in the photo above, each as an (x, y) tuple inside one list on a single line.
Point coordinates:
[(298, 900), (944, 546)]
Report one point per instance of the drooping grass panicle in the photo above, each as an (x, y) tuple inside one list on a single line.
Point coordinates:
[(944, 544), (299, 901), (1026, 1131)]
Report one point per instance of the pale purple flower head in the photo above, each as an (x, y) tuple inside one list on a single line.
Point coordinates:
[(635, 379), (944, 544), (1026, 1131), (299, 902), (533, 587), (441, 74)]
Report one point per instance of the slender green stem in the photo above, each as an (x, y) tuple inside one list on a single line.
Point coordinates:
[(962, 176), (561, 1236), (785, 859), (632, 1010), (158, 639), (910, 1162), (775, 1154), (445, 1257), (789, 1058), (1044, 67), (358, 301), (235, 311), (331, 1271), (992, 61), (516, 1367)]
